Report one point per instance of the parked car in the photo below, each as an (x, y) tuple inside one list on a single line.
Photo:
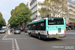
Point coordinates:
[(2, 30), (21, 28), (17, 31), (4, 27)]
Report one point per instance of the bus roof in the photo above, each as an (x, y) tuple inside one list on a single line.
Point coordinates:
[(55, 17), (36, 21)]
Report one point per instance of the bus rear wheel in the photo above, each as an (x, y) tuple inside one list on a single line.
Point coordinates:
[(29, 34), (39, 36)]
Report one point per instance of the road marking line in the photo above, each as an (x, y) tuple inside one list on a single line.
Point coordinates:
[(13, 46), (5, 38), (17, 46)]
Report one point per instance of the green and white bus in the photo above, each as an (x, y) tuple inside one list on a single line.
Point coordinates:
[(52, 27)]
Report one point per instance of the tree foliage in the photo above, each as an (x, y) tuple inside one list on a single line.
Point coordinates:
[(21, 14), (2, 20), (54, 8)]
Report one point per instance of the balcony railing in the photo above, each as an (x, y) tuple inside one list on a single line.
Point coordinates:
[(32, 2)]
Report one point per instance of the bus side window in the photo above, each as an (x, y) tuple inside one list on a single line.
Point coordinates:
[(42, 26), (33, 27), (30, 27), (36, 26)]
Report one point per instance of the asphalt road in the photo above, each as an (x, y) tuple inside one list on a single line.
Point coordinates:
[(24, 42)]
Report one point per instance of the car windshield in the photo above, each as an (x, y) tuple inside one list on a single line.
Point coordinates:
[(17, 29), (2, 29), (55, 21)]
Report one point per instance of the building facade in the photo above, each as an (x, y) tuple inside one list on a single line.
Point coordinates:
[(71, 13), (34, 7), (28, 5)]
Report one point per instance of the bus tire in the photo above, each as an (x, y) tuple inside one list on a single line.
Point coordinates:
[(29, 34), (39, 36)]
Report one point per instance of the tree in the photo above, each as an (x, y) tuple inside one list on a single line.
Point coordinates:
[(54, 8), (21, 14), (45, 10), (2, 20)]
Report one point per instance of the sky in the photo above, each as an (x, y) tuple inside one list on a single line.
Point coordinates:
[(72, 1), (7, 5)]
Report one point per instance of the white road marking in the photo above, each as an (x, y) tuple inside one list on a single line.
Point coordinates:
[(4, 37), (13, 46), (17, 46), (14, 42)]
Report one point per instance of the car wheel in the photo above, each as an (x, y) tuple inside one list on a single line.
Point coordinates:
[(19, 33), (29, 34), (14, 33)]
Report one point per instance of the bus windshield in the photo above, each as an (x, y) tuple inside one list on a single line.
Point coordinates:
[(56, 21)]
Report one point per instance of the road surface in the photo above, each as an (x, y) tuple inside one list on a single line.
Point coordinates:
[(24, 42)]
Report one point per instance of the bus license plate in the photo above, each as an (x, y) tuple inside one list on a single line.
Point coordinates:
[(56, 36)]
